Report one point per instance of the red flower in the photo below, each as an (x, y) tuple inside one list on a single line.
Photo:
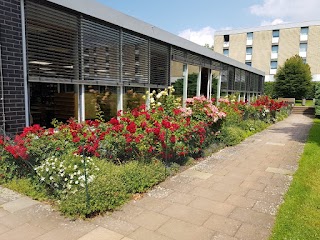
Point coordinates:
[(114, 121), (132, 127), (166, 123), (143, 124), (173, 138)]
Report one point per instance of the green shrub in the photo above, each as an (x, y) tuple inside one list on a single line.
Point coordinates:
[(317, 97), (112, 186), (28, 187), (232, 135)]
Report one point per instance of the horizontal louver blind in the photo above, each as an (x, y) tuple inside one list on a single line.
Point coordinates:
[(194, 59), (231, 78), (101, 51), (135, 59), (243, 80), (224, 77), (52, 43), (179, 55), (237, 85), (159, 63)]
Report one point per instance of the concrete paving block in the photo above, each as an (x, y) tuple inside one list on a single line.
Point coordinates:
[(101, 233), (196, 174), (280, 171), (178, 230), (150, 220), (223, 224), (223, 209), (145, 234), (18, 204), (25, 232)]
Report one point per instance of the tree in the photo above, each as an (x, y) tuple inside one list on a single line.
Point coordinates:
[(293, 79)]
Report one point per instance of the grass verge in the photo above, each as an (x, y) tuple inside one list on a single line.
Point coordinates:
[(309, 103), (299, 216)]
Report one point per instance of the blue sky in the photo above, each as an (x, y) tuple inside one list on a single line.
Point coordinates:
[(197, 20)]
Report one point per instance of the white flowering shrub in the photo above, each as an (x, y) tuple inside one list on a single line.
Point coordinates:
[(66, 173)]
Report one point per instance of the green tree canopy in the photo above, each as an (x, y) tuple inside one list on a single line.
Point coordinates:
[(293, 79)]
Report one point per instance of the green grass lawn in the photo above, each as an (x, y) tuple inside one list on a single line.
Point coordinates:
[(299, 216), (309, 103)]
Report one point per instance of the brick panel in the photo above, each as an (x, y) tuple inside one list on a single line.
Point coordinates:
[(289, 42), (261, 50), (12, 63), (218, 44), (237, 48), (313, 50)]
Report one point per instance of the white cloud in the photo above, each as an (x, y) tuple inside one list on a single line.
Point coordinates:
[(274, 22), (292, 10), (201, 37)]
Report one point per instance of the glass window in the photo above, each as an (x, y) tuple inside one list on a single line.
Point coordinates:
[(133, 97), (52, 100), (304, 31), (249, 35), (304, 60), (226, 52), (248, 63), (226, 38), (249, 50), (303, 47), (100, 101), (275, 33), (274, 64), (275, 49)]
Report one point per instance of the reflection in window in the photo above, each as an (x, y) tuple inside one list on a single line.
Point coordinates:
[(275, 33), (133, 97), (100, 102), (52, 100), (226, 52), (274, 64)]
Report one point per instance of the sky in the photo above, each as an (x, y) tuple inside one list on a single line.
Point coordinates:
[(198, 20)]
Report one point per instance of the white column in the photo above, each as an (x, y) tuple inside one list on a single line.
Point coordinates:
[(120, 98), (219, 87), (25, 68), (209, 83), (248, 97), (244, 97), (239, 98), (185, 85), (148, 99), (79, 89), (199, 82)]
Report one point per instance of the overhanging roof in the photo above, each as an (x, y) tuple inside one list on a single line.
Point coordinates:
[(100, 11)]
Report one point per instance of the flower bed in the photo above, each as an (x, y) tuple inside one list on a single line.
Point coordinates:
[(94, 166)]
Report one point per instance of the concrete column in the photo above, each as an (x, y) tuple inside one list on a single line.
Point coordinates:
[(185, 85), (239, 98), (199, 82), (244, 97), (248, 97)]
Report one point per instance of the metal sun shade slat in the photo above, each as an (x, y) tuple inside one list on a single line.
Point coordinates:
[(159, 63)]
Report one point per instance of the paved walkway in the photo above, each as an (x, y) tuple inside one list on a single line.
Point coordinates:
[(234, 194)]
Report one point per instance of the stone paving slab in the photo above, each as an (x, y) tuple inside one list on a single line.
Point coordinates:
[(232, 195)]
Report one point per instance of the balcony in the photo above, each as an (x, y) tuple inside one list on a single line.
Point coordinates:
[(303, 38), (274, 55), (275, 40), (303, 54), (273, 71), (226, 44)]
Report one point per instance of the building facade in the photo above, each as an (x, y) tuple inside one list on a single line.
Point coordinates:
[(79, 59), (267, 47)]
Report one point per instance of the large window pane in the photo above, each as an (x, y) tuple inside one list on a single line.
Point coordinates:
[(100, 101), (133, 97), (51, 100)]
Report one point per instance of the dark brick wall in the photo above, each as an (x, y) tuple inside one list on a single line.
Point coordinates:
[(12, 63)]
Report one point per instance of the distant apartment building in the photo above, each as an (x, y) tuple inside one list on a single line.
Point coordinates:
[(267, 47)]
